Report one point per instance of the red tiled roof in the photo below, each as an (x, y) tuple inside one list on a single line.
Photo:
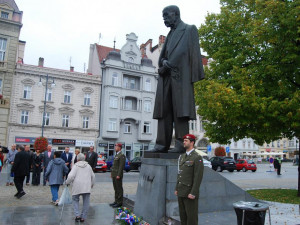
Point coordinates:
[(103, 51)]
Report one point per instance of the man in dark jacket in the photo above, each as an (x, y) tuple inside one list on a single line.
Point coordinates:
[(67, 157), (27, 150), (117, 175), (20, 169), (92, 158), (180, 66)]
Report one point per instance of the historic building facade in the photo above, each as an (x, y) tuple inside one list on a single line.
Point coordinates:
[(71, 109), (10, 27), (127, 97)]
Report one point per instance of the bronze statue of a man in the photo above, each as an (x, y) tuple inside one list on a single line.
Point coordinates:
[(180, 66)]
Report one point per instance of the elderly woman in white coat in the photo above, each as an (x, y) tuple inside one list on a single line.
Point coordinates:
[(83, 179)]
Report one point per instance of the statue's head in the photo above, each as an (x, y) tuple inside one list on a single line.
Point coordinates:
[(171, 15)]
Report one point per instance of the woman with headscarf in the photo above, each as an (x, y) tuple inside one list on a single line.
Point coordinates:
[(83, 179)]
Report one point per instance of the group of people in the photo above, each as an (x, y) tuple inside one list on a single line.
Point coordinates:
[(59, 168)]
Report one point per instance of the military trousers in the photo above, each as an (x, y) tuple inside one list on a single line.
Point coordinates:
[(118, 187), (165, 124), (188, 211)]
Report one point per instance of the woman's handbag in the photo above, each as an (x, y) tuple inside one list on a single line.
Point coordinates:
[(65, 198)]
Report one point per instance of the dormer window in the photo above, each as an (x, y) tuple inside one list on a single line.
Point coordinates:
[(4, 15)]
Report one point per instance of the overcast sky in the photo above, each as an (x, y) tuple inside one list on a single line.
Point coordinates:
[(59, 29)]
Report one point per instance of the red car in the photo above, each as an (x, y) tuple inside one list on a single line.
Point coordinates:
[(101, 165), (244, 165)]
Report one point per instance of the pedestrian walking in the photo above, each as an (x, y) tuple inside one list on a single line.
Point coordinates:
[(55, 172), (28, 151), (48, 156), (83, 178), (36, 167), (92, 158), (117, 176), (10, 161), (20, 169), (277, 165), (190, 173)]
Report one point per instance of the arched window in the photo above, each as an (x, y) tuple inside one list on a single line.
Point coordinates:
[(114, 81), (148, 84)]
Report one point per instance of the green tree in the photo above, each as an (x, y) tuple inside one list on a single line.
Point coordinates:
[(252, 86)]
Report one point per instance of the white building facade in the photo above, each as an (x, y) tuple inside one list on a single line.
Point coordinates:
[(127, 98), (71, 113)]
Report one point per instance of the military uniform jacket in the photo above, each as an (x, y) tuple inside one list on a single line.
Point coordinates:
[(118, 165), (190, 173)]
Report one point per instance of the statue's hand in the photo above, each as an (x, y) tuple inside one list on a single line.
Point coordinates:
[(162, 71)]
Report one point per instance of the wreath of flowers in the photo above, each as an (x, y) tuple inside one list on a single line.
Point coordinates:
[(40, 143), (126, 217)]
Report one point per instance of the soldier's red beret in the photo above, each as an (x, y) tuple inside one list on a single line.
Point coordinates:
[(189, 136), (119, 145)]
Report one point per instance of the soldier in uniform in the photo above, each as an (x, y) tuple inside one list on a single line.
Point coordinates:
[(117, 175), (190, 173)]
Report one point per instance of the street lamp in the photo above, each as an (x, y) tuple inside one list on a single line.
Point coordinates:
[(45, 100)]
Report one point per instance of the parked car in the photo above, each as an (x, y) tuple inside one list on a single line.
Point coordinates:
[(110, 159), (244, 165), (101, 165), (220, 163), (207, 163), (135, 164)]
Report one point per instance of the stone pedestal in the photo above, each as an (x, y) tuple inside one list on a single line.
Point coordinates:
[(155, 194)]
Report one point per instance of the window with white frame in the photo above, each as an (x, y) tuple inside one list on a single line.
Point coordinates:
[(0, 86), (114, 81), (3, 43), (112, 125), (4, 15), (46, 119), (249, 144), (235, 144), (131, 82), (278, 144), (87, 99), (27, 92), (113, 101), (85, 121), (67, 97), (24, 117), (147, 106), (291, 143), (284, 144), (128, 104), (148, 84), (49, 95), (147, 127), (127, 127), (65, 120)]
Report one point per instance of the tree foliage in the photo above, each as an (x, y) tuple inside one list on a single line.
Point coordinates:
[(252, 85)]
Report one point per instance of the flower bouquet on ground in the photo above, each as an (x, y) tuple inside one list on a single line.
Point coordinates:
[(41, 143), (126, 217)]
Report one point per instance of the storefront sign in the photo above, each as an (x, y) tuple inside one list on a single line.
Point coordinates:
[(63, 142), (84, 143), (28, 140), (105, 145)]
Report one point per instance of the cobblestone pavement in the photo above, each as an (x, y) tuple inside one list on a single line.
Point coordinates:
[(41, 195)]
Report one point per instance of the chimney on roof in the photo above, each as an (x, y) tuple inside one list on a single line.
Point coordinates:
[(71, 68), (41, 62), (161, 40)]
